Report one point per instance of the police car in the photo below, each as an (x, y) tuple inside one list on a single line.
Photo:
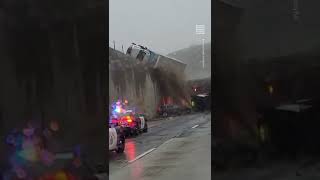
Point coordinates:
[(116, 139), (140, 119), (132, 123)]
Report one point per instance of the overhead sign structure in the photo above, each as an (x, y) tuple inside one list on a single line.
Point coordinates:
[(201, 30)]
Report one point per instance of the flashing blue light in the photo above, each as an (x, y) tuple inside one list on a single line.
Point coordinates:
[(118, 109)]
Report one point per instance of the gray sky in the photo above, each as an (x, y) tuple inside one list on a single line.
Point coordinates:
[(162, 25)]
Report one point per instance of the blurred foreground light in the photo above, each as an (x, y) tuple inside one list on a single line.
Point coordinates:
[(270, 89), (54, 126), (61, 176), (28, 131), (21, 173)]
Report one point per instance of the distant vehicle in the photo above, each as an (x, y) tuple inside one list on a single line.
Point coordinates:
[(172, 110), (116, 139), (200, 102), (155, 60), (143, 122)]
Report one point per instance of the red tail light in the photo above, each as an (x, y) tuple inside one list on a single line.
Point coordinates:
[(129, 120)]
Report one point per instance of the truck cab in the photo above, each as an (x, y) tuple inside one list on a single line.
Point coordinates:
[(142, 54)]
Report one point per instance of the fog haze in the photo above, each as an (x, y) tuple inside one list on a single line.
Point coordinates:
[(162, 25)]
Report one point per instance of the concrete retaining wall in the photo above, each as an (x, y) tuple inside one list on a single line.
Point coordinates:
[(143, 87), (133, 82)]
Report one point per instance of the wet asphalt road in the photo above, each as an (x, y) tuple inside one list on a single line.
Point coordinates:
[(281, 170), (159, 132)]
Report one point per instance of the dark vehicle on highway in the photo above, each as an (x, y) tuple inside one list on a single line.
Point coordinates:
[(292, 127), (200, 102), (172, 110)]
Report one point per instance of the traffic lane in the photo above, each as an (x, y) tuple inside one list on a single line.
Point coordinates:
[(156, 135), (187, 156)]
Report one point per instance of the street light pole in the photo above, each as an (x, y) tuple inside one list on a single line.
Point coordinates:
[(200, 30), (203, 53)]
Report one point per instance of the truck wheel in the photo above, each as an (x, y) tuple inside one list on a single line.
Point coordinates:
[(121, 146), (134, 132), (145, 129), (128, 133), (137, 131)]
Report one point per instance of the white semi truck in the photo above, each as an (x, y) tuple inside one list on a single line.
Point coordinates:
[(155, 60)]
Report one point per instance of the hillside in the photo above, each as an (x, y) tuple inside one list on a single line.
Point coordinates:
[(192, 56)]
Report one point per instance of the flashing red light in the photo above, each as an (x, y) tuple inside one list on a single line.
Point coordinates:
[(114, 120), (129, 120)]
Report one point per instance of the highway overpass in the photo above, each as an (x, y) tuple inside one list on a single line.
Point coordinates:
[(143, 87)]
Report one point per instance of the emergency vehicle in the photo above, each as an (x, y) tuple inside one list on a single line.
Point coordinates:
[(116, 139)]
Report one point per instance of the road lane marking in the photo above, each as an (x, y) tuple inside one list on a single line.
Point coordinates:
[(195, 126), (141, 155), (167, 141)]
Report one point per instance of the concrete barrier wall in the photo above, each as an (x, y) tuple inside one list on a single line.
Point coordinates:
[(133, 82)]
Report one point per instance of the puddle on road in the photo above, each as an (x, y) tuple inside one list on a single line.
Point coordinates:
[(129, 154), (130, 150)]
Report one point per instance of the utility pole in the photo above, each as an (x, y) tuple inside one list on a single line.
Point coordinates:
[(114, 45), (122, 49)]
